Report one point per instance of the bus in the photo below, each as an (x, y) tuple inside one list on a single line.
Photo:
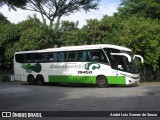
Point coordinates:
[(101, 64)]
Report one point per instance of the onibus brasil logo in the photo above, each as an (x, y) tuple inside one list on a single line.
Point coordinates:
[(32, 67)]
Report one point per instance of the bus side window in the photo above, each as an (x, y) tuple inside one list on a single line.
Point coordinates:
[(62, 57), (76, 56), (84, 56), (94, 55), (97, 56), (71, 56), (49, 57), (90, 56), (80, 56), (112, 58), (38, 57), (102, 57), (28, 58), (20, 58), (55, 57)]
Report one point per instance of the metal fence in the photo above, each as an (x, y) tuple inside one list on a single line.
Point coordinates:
[(8, 80), (148, 75)]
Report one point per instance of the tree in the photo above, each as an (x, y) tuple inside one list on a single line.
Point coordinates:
[(145, 8), (3, 19), (142, 36), (138, 33), (52, 9), (9, 34), (12, 4), (69, 33), (103, 31), (34, 35)]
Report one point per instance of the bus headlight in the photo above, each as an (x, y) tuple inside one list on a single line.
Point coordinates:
[(137, 77)]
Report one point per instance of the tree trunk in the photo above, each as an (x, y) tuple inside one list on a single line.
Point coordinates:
[(51, 22), (44, 21), (58, 22)]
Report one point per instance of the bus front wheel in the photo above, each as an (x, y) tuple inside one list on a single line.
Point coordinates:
[(102, 82)]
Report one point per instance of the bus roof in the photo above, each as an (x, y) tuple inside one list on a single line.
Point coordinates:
[(81, 47)]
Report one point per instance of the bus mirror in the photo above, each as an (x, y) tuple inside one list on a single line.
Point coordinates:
[(138, 56), (122, 54)]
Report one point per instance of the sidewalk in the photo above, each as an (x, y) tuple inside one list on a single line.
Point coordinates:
[(149, 82), (7, 80)]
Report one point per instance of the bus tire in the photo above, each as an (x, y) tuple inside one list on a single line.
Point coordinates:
[(40, 80), (31, 80), (102, 82)]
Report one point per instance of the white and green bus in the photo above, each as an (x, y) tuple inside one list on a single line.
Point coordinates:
[(102, 64)]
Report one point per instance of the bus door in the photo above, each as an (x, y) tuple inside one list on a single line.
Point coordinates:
[(119, 65)]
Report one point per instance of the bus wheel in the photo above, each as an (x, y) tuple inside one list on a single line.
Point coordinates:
[(40, 80), (31, 80), (102, 82)]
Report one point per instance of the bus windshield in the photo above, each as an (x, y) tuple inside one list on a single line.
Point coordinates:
[(121, 62), (132, 66)]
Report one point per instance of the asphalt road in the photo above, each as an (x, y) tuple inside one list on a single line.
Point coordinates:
[(80, 98)]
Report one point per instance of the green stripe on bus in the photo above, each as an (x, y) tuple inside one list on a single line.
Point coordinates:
[(72, 79), (86, 79), (116, 80)]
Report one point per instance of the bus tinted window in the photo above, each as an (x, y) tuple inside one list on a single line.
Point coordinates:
[(96, 56), (113, 59), (74, 56), (62, 56), (70, 56), (49, 57), (55, 56), (20, 58), (78, 56), (28, 58), (38, 57), (93, 55), (84, 56)]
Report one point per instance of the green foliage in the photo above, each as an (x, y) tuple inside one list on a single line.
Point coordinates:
[(68, 33), (9, 34), (33, 35), (27, 35), (142, 36), (99, 32), (3, 19), (138, 33), (145, 8), (12, 4), (136, 25)]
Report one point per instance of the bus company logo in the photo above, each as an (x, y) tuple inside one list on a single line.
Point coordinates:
[(92, 66), (32, 67)]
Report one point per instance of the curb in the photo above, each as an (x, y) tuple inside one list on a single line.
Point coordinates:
[(149, 82)]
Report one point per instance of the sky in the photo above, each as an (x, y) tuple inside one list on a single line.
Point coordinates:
[(106, 7)]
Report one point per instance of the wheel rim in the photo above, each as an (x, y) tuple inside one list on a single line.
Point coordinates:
[(102, 81), (40, 81), (31, 80)]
